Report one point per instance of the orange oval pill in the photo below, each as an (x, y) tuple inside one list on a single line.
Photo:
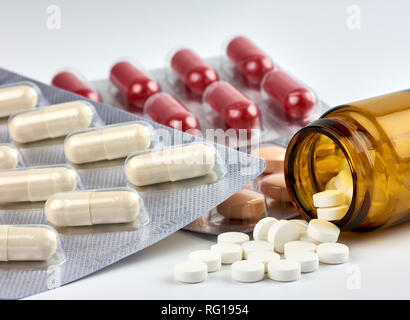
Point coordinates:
[(245, 204), (274, 157), (274, 186)]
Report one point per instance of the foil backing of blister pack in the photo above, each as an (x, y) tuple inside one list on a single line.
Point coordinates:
[(168, 209)]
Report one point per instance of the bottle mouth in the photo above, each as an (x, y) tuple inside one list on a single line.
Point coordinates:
[(324, 156)]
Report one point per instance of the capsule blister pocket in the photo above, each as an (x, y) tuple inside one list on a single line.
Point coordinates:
[(89, 248)]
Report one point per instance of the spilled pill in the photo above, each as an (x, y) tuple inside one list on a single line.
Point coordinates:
[(230, 252), (256, 245), (333, 253), (211, 258), (323, 231), (248, 271), (284, 270), (233, 237), (261, 229), (329, 198), (190, 272), (282, 232), (309, 261), (263, 256), (332, 213)]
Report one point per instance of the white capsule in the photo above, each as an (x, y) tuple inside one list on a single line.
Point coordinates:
[(261, 230), (85, 208), (35, 184), (9, 157), (27, 243), (323, 231), (50, 122), (172, 164), (107, 143), (17, 98)]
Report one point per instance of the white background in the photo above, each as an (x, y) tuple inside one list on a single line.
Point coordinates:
[(309, 38)]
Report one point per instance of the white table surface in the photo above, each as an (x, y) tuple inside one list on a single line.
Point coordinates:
[(309, 38)]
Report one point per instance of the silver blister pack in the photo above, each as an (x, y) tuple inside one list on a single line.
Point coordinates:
[(84, 250)]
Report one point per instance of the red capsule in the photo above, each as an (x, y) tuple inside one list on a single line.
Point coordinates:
[(133, 83), (69, 81), (249, 59), (236, 109), (165, 109), (296, 101), (193, 71)]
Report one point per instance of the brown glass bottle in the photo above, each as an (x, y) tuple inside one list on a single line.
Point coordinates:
[(369, 140)]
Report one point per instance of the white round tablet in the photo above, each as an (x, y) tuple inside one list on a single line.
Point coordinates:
[(190, 272), (305, 237), (233, 237), (230, 252), (332, 213), (309, 261), (333, 253), (329, 198), (284, 270), (299, 246), (248, 271), (281, 232), (260, 232), (210, 258), (263, 256), (323, 231), (256, 245)]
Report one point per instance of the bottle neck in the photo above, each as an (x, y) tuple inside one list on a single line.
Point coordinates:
[(300, 167)]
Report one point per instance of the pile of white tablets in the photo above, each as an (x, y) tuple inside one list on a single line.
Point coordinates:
[(302, 245)]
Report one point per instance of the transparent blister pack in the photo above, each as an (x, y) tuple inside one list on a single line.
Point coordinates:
[(241, 98), (100, 184), (30, 247)]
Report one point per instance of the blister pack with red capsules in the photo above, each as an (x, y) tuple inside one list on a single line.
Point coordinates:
[(242, 99)]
